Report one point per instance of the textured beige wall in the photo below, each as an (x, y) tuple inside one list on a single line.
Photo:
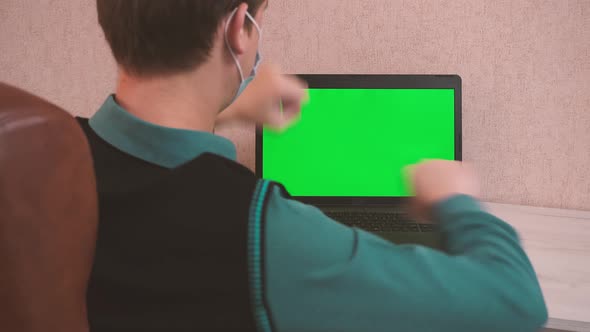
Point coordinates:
[(525, 66)]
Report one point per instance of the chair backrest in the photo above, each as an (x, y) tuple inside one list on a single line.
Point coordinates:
[(48, 216)]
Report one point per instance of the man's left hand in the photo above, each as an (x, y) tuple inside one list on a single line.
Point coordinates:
[(272, 99)]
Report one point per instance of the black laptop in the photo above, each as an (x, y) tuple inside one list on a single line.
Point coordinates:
[(348, 152)]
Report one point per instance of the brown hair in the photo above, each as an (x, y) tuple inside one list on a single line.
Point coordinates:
[(155, 37)]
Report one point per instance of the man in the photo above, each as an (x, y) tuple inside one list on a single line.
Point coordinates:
[(189, 240)]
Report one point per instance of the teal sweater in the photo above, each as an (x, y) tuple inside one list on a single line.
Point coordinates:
[(324, 276)]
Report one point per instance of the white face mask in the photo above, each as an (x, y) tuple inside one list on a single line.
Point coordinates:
[(244, 81)]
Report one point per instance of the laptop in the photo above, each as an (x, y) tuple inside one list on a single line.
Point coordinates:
[(347, 153)]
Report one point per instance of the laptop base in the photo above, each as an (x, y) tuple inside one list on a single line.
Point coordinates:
[(390, 223)]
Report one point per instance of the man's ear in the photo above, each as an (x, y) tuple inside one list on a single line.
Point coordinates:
[(236, 32)]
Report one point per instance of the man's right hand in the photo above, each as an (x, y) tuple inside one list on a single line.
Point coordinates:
[(437, 180)]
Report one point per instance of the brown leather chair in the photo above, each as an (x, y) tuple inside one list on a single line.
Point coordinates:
[(48, 216)]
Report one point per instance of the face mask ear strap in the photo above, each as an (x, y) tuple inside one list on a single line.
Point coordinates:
[(255, 24), (231, 51)]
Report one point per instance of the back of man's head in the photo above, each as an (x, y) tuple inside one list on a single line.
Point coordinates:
[(160, 37)]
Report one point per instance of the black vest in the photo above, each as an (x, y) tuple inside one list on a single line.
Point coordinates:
[(178, 249)]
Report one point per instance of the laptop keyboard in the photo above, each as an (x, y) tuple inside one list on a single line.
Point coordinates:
[(380, 221)]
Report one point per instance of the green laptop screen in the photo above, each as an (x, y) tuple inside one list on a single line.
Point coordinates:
[(357, 142)]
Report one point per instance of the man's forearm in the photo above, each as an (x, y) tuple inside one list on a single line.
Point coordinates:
[(343, 279), (484, 240)]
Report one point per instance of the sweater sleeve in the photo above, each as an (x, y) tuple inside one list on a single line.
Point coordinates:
[(324, 276)]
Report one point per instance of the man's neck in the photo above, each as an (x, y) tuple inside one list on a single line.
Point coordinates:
[(183, 101)]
